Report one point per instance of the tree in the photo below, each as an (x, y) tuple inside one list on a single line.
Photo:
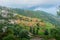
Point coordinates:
[(58, 11), (46, 32), (37, 30), (34, 31), (24, 34), (31, 29), (55, 33)]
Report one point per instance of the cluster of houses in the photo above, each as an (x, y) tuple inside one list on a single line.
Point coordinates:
[(4, 14)]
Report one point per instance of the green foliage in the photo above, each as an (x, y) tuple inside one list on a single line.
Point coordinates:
[(34, 31), (31, 29), (55, 33), (9, 37), (58, 13), (21, 32), (24, 34), (37, 30)]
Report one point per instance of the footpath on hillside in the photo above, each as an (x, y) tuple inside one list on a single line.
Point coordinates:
[(36, 38), (39, 38)]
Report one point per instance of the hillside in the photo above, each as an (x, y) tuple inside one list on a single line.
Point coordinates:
[(36, 14), (11, 17), (41, 15), (19, 24), (15, 18)]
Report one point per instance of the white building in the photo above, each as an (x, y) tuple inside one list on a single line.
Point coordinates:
[(4, 13)]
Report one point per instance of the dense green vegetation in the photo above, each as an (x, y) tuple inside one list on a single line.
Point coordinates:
[(18, 24)]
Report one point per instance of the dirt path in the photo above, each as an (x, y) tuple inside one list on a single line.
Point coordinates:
[(36, 38), (39, 38)]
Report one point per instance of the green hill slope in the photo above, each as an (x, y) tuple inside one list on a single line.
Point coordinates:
[(18, 24), (41, 15), (36, 14)]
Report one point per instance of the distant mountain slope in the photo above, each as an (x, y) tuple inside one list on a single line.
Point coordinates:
[(44, 16), (40, 14), (10, 17)]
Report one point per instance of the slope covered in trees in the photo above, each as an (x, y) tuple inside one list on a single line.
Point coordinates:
[(36, 14), (41, 15), (17, 24)]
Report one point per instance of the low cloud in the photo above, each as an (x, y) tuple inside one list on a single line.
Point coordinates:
[(45, 5), (28, 3)]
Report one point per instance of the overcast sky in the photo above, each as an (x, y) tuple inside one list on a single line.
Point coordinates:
[(45, 5)]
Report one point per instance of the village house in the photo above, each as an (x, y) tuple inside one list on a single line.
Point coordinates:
[(4, 13)]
